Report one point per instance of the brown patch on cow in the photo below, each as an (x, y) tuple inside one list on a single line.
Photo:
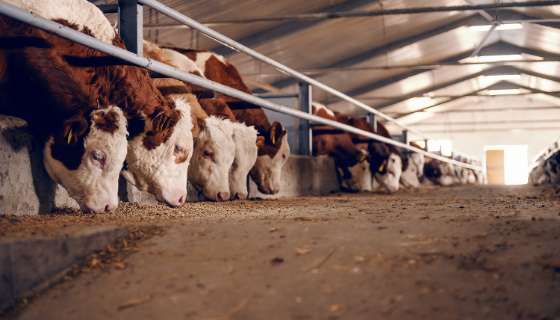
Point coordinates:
[(336, 143), (153, 51), (106, 121), (163, 123), (190, 53), (379, 152), (68, 146), (218, 108), (181, 156)]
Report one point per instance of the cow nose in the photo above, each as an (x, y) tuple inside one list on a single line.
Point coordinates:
[(223, 196), (181, 200), (107, 208), (239, 196)]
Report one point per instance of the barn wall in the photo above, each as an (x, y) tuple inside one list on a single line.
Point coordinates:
[(473, 143)]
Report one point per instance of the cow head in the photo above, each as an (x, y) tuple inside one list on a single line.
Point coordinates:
[(410, 177), (245, 138), (213, 156), (538, 175), (439, 172), (158, 159), (86, 157), (552, 167), (273, 152), (353, 170), (389, 173), (386, 165)]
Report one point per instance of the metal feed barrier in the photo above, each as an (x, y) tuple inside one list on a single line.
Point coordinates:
[(130, 29)]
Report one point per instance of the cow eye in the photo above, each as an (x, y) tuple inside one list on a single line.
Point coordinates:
[(99, 156), (207, 154), (179, 150)]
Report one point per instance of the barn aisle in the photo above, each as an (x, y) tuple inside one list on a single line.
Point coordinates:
[(446, 253)]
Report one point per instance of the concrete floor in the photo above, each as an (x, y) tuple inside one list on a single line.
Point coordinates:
[(434, 253)]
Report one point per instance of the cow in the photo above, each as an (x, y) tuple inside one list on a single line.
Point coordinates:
[(386, 161), (351, 161), (439, 172), (214, 148), (552, 168), (244, 137), (273, 148), (85, 139), (537, 175), (412, 176), (160, 140)]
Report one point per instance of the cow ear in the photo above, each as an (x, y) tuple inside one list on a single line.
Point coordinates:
[(164, 120), (260, 141), (276, 132), (74, 129), (362, 155)]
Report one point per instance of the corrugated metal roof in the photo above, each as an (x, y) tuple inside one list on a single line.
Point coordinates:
[(359, 55)]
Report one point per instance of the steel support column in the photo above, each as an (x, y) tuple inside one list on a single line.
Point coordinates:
[(305, 100), (405, 137), (372, 121), (131, 24)]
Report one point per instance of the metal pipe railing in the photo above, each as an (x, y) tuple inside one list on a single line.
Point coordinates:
[(164, 69), (226, 41)]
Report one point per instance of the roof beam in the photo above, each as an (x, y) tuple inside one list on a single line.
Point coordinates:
[(377, 51), (285, 29), (550, 128), (498, 109), (476, 92), (383, 82)]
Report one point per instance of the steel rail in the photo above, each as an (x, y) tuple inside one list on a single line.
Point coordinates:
[(164, 69)]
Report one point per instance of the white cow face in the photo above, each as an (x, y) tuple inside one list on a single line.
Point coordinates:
[(389, 180), (213, 156), (162, 170), (87, 157), (245, 139), (447, 177), (267, 171), (355, 178), (410, 178)]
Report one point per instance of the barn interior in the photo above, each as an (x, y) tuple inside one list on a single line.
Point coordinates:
[(471, 82)]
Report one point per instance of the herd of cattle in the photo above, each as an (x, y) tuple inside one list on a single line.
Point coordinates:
[(101, 118)]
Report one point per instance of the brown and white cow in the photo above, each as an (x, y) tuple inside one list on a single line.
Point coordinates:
[(351, 161), (212, 149), (386, 161), (160, 142), (412, 176), (86, 140), (273, 148), (246, 149), (439, 172)]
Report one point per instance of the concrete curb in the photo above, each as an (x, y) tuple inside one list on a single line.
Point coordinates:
[(31, 265)]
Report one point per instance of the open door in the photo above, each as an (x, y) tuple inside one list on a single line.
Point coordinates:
[(495, 166)]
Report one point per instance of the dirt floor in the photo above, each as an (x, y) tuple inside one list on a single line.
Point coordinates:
[(434, 253)]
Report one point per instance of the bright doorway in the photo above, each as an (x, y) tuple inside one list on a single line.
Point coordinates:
[(507, 164)]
